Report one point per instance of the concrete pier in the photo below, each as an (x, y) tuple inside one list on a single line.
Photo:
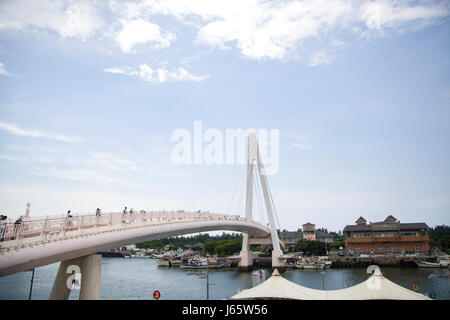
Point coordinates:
[(90, 268)]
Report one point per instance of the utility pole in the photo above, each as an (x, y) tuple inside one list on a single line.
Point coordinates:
[(323, 279), (27, 213), (31, 287)]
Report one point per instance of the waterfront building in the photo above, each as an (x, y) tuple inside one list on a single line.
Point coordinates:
[(387, 237), (309, 232)]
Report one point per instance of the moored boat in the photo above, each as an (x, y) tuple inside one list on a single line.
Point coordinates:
[(426, 264)]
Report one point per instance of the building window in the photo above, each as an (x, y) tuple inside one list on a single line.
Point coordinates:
[(380, 249), (361, 235), (385, 234), (409, 233)]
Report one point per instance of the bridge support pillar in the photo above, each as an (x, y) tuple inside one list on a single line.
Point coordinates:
[(63, 281), (91, 276), (90, 268), (246, 262), (278, 263)]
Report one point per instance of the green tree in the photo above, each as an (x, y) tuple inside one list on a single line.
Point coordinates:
[(316, 248)]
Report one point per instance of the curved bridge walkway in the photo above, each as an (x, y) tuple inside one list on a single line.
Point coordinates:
[(48, 240), (75, 242)]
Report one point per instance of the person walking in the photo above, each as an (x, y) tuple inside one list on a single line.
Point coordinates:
[(98, 212), (3, 220), (17, 225), (69, 219)]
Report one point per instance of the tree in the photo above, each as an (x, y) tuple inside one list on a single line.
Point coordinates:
[(440, 238), (308, 247)]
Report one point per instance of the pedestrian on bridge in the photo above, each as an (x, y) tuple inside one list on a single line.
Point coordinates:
[(69, 219), (3, 226), (98, 212), (17, 225)]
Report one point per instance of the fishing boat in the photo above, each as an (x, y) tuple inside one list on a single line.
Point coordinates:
[(426, 264), (307, 265), (203, 263), (444, 261), (195, 263), (324, 262), (176, 262), (164, 262)]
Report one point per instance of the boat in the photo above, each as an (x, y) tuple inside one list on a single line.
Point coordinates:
[(324, 262), (203, 263), (176, 262), (444, 261), (426, 264), (164, 263), (307, 265), (195, 263)]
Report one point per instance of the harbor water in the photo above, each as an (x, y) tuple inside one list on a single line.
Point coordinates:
[(138, 279)]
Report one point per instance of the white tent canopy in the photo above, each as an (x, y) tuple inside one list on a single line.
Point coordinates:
[(377, 287)]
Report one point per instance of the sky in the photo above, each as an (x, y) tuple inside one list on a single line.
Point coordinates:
[(91, 92)]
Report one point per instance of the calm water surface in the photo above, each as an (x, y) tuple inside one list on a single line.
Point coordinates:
[(137, 279)]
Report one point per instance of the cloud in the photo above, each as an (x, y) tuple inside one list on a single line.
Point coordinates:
[(391, 14), (79, 175), (14, 129), (258, 29), (157, 75), (301, 142), (70, 19), (19, 159), (275, 29), (320, 58), (3, 71), (139, 32)]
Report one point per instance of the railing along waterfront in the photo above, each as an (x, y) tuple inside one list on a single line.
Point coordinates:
[(56, 227)]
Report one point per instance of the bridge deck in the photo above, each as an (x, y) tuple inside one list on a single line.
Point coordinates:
[(41, 241)]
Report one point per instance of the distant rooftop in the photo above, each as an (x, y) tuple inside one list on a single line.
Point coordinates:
[(390, 223)]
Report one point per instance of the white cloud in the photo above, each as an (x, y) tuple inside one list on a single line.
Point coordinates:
[(14, 129), (388, 14), (79, 175), (158, 75), (77, 19), (19, 159), (320, 58), (275, 29), (3, 71), (301, 142), (139, 31), (258, 29)]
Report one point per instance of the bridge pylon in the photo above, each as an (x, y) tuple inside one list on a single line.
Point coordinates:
[(90, 268), (246, 255)]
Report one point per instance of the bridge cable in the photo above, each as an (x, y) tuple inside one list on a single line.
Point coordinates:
[(239, 204), (224, 193), (217, 193), (208, 187), (234, 194)]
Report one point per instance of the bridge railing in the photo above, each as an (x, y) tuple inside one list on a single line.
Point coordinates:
[(48, 226)]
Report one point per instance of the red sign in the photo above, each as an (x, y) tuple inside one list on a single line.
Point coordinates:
[(156, 295)]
